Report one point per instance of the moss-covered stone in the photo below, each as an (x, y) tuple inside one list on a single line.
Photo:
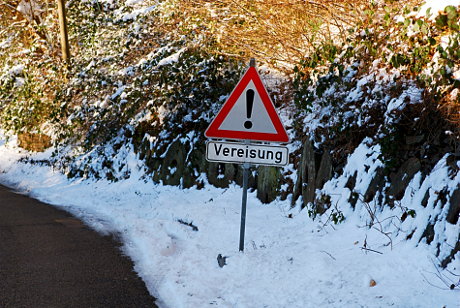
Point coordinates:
[(221, 174), (268, 183), (173, 165)]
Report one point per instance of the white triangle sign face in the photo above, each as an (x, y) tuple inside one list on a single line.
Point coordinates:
[(248, 114), (246, 118)]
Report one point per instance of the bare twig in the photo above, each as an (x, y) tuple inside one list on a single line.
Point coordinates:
[(372, 250), (328, 254), (431, 284)]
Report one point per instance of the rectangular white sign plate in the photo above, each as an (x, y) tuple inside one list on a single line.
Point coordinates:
[(240, 153)]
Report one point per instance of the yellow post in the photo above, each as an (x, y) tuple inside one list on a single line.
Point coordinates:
[(63, 27)]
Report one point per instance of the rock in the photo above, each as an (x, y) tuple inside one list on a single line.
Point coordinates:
[(198, 159), (450, 257), (172, 168), (325, 170), (426, 197), (411, 140), (376, 184), (308, 173), (451, 162), (268, 183), (34, 142), (221, 261), (402, 177), (353, 199), (196, 164), (322, 203), (217, 174), (372, 283), (297, 189), (314, 170), (454, 207), (222, 174), (351, 182), (302, 173), (428, 233)]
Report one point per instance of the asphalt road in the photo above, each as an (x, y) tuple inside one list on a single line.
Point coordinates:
[(50, 259)]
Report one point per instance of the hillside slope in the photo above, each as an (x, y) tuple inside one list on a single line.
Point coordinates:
[(372, 107)]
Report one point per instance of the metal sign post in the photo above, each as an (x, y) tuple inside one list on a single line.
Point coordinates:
[(246, 167), (249, 115)]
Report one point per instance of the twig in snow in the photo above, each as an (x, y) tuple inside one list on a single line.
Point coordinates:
[(368, 249), (189, 224), (328, 254), (433, 285), (445, 279)]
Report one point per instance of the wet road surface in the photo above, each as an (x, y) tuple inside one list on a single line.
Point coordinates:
[(50, 259)]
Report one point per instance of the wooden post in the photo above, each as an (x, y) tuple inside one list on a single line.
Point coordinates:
[(63, 27)]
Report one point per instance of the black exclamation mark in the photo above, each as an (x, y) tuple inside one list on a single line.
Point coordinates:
[(249, 105)]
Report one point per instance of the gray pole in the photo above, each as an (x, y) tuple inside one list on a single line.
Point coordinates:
[(246, 166), (63, 27), (244, 201)]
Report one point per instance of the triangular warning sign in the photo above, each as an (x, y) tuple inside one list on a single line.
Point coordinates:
[(248, 114)]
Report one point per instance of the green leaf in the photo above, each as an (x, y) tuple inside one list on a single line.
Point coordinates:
[(453, 25), (441, 21), (407, 22), (411, 213), (428, 13), (451, 12)]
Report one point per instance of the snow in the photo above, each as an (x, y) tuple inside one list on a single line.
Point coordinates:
[(135, 13), (456, 75), (19, 82), (133, 2), (30, 9), (118, 92), (6, 43), (16, 70), (413, 94), (288, 262), (436, 6), (172, 58)]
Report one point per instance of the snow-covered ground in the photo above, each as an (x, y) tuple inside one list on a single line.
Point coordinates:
[(288, 262)]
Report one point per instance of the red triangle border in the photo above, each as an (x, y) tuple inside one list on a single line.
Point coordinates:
[(213, 130)]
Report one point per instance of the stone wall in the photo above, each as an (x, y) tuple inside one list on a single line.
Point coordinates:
[(314, 170), (34, 142), (182, 166)]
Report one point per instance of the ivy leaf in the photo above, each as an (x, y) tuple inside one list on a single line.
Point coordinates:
[(441, 21), (451, 12), (428, 13)]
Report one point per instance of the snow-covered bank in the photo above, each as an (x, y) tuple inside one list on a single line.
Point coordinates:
[(288, 262)]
